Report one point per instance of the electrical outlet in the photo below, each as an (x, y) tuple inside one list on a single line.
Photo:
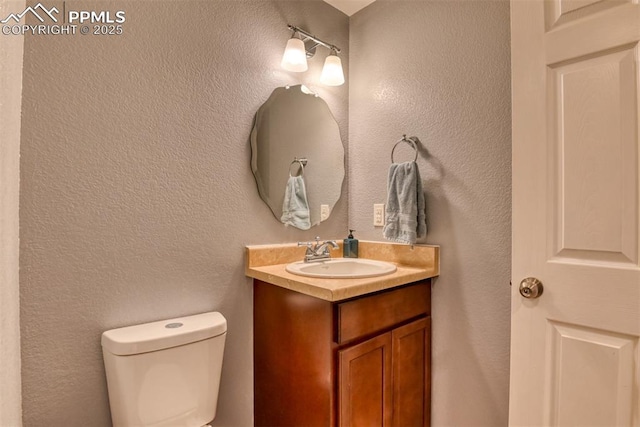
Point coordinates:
[(324, 212), (378, 215)]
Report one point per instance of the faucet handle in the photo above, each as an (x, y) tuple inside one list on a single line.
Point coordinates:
[(308, 245)]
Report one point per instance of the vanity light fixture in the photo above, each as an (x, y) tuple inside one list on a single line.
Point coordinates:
[(295, 56), (300, 48), (332, 74)]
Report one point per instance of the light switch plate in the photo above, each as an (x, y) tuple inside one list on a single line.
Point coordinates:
[(324, 212), (378, 215)]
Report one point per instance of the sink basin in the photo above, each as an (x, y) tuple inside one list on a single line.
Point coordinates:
[(342, 268)]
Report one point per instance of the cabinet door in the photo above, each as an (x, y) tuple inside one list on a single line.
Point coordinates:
[(411, 346), (364, 389)]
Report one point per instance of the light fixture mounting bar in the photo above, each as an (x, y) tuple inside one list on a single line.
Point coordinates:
[(314, 38)]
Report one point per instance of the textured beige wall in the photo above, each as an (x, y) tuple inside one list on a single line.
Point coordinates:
[(137, 193), (11, 50), (439, 70)]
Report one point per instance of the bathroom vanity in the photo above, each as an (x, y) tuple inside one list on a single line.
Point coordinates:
[(343, 352)]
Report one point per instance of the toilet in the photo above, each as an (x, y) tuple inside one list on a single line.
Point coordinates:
[(165, 373)]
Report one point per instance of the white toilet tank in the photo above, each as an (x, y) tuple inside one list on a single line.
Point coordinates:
[(166, 373)]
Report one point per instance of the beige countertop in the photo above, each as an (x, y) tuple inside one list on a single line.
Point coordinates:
[(414, 263)]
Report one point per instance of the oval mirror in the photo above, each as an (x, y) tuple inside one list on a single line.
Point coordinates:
[(297, 156)]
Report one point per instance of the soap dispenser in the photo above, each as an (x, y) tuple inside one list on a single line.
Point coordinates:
[(350, 246)]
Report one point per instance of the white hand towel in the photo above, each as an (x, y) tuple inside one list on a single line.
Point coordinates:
[(405, 210), (295, 208)]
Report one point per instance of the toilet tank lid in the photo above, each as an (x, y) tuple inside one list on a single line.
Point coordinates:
[(163, 334)]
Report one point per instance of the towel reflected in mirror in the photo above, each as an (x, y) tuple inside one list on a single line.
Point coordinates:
[(295, 207)]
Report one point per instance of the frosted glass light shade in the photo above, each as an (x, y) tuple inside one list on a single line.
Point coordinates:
[(295, 56), (332, 74)]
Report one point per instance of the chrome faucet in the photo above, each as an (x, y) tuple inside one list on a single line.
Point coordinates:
[(318, 251)]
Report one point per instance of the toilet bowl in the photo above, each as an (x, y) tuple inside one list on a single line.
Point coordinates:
[(165, 373)]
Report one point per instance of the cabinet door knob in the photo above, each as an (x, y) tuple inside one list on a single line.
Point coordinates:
[(531, 288)]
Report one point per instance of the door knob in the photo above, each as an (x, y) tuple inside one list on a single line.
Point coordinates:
[(531, 288)]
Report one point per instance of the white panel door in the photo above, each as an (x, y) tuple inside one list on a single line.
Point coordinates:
[(575, 353)]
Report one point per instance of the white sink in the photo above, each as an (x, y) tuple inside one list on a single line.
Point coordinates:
[(341, 268)]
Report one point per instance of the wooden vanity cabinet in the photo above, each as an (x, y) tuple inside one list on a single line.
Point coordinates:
[(358, 362)]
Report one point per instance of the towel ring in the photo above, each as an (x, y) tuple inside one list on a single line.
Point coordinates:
[(408, 141), (302, 161)]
